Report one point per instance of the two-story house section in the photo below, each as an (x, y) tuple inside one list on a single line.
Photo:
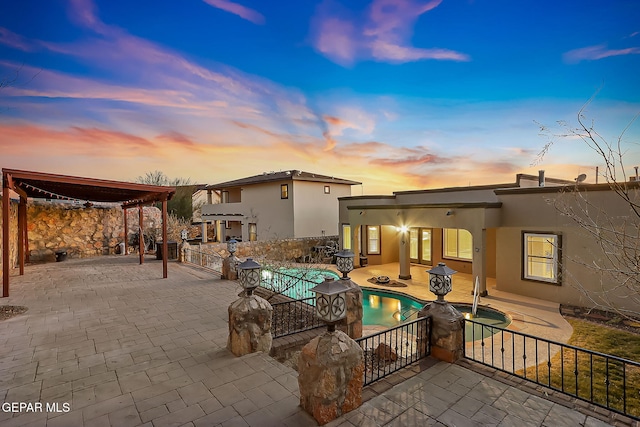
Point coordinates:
[(281, 205)]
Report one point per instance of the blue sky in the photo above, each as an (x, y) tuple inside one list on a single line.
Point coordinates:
[(396, 94)]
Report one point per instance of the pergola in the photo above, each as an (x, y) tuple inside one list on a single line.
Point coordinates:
[(62, 187)]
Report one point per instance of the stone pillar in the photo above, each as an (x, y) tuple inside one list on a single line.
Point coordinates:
[(330, 376), (229, 270), (184, 255), (250, 326), (447, 331), (352, 323)]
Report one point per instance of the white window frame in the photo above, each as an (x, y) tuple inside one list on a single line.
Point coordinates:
[(444, 245), (556, 241), (378, 240)]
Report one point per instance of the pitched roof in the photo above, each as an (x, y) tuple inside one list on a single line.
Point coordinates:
[(290, 175)]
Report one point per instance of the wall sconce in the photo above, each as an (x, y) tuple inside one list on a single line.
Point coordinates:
[(184, 235), (449, 212)]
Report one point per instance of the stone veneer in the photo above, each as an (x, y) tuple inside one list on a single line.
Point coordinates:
[(79, 230), (330, 376), (278, 250)]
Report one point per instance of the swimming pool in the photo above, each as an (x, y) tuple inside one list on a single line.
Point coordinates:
[(390, 309), (380, 308), (295, 282)]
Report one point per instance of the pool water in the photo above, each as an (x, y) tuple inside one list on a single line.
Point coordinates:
[(295, 282), (391, 309)]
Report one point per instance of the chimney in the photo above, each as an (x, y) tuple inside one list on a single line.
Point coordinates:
[(636, 168), (541, 178)]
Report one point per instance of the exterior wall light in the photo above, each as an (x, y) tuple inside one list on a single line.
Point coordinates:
[(331, 302), (344, 262), (440, 281), (184, 235), (249, 275)]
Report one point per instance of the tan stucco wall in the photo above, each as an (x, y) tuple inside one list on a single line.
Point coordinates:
[(315, 211), (536, 213)]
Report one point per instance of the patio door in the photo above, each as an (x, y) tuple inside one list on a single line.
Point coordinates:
[(420, 245)]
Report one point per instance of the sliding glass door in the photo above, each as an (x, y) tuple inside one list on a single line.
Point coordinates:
[(420, 245)]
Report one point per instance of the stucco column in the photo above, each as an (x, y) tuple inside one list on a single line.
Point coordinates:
[(204, 231), (355, 243), (479, 269), (405, 255)]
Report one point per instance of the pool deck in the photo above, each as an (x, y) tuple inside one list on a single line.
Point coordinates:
[(124, 347), (529, 315)]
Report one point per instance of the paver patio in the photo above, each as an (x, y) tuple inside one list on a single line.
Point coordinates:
[(122, 347)]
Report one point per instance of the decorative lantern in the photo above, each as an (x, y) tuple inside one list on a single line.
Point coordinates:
[(249, 275), (331, 302), (232, 245), (440, 280), (184, 235), (344, 262)]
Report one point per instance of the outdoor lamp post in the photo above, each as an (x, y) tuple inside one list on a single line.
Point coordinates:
[(331, 303), (249, 275), (440, 280), (184, 235), (344, 262), (232, 245)]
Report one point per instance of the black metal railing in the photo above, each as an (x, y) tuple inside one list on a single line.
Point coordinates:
[(293, 286), (291, 317), (209, 261), (607, 381), (391, 350)]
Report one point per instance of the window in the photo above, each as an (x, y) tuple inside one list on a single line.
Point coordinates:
[(327, 189), (284, 191), (373, 239), (253, 232), (225, 196), (346, 237), (458, 244), (541, 258)]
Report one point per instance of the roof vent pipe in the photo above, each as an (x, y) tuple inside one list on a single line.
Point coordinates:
[(541, 178), (636, 168)]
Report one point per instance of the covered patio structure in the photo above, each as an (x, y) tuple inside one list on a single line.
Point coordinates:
[(62, 187)]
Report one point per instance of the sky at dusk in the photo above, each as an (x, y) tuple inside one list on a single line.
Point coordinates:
[(396, 94)]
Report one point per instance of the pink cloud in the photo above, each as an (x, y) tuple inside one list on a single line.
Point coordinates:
[(383, 33), (237, 9), (15, 41), (593, 53)]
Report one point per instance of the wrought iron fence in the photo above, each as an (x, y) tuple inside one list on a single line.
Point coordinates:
[(294, 285), (601, 379), (393, 349), (212, 262), (291, 317)]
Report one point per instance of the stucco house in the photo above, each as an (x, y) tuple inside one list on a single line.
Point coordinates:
[(284, 205), (518, 233)]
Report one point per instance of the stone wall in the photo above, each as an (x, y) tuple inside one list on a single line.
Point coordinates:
[(79, 230), (276, 250)]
